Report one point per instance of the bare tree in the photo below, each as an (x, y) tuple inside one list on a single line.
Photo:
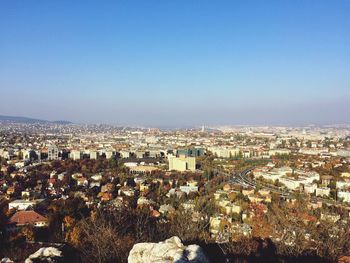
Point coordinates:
[(104, 240)]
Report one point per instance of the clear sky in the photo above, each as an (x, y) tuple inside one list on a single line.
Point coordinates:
[(176, 62)]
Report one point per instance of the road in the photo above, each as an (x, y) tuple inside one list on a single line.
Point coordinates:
[(242, 179)]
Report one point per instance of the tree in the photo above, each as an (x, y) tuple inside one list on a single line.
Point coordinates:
[(28, 233), (3, 161), (105, 238), (242, 246), (113, 163), (261, 228), (3, 219), (188, 228), (331, 240)]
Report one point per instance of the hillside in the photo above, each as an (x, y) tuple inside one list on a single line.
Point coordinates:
[(19, 119)]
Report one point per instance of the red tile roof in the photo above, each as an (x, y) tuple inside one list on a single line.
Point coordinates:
[(27, 217)]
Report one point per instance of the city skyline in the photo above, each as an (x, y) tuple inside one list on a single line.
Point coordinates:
[(176, 64), (175, 131)]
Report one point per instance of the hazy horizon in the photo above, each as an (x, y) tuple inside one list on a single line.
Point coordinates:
[(176, 64)]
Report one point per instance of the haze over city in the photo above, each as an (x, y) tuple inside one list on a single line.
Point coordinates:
[(175, 131), (176, 63)]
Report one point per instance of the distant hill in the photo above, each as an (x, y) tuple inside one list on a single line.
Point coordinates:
[(17, 119), (62, 122)]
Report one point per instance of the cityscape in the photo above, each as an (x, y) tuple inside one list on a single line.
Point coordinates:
[(174, 131), (234, 186)]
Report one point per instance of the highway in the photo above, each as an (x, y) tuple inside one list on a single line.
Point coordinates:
[(242, 179)]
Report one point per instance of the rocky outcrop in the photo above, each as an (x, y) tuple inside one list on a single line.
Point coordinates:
[(6, 260), (168, 251), (45, 254)]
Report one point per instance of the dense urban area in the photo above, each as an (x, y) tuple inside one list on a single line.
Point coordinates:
[(243, 194)]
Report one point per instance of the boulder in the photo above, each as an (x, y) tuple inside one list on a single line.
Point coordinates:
[(45, 254), (6, 260), (168, 251)]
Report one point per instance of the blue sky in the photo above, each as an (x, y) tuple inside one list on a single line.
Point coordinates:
[(176, 63)]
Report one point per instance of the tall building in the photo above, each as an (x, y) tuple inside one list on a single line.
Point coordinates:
[(182, 163), (75, 155), (93, 155), (29, 154), (52, 152), (191, 152), (109, 154)]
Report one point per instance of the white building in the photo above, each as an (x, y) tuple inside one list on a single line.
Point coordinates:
[(323, 191), (6, 154), (124, 154), (75, 154), (182, 163), (109, 154), (189, 188), (52, 152), (342, 184), (310, 188), (93, 155), (224, 152), (291, 183), (23, 204), (344, 195), (279, 152)]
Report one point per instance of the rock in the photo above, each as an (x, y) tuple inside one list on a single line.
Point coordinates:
[(6, 260), (45, 254), (168, 251)]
